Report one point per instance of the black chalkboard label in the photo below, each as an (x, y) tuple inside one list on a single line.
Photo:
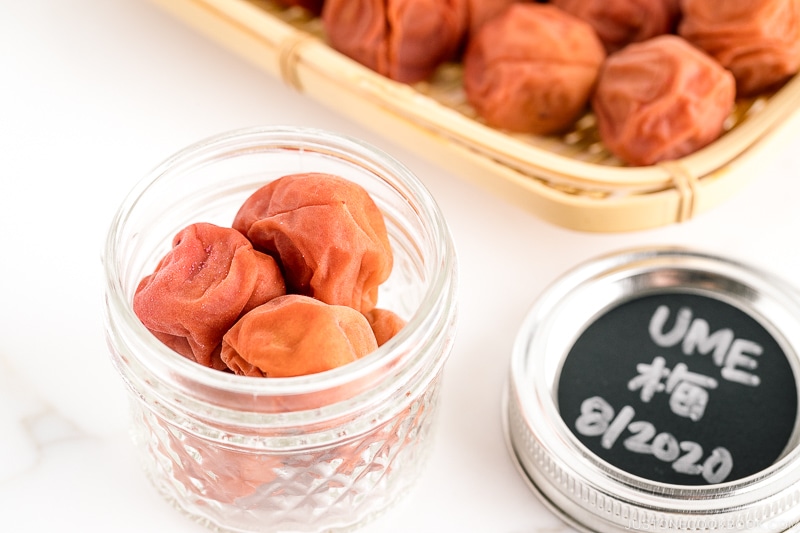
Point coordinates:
[(679, 388)]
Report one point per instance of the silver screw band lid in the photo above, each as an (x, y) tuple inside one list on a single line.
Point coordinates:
[(596, 363)]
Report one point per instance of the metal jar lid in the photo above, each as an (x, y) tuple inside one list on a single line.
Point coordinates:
[(657, 390)]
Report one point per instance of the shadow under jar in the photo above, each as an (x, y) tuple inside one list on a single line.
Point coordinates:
[(326, 451)]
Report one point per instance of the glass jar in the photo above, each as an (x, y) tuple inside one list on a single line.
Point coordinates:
[(326, 451)]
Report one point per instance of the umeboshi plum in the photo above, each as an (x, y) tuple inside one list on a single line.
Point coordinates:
[(661, 99), (481, 11), (326, 232), (757, 40), (532, 69), (621, 22), (384, 323), (200, 288), (405, 40), (296, 335)]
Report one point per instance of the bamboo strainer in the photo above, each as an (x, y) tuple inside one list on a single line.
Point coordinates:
[(570, 180)]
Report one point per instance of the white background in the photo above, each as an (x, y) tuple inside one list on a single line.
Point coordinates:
[(93, 94)]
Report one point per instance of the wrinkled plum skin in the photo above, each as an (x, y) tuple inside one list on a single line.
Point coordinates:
[(532, 69), (326, 232), (757, 40), (210, 277), (217, 300), (660, 100), (384, 323), (621, 22), (404, 40), (296, 335)]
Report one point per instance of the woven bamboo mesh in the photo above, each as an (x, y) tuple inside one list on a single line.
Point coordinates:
[(570, 179)]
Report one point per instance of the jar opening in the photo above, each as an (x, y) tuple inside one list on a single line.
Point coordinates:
[(421, 286)]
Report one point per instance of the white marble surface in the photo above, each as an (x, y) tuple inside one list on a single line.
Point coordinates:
[(93, 93)]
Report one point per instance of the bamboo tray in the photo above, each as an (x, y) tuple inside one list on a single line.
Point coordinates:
[(571, 180)]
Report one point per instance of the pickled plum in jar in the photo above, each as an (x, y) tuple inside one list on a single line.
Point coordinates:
[(385, 324), (210, 277), (219, 301), (326, 232), (296, 335)]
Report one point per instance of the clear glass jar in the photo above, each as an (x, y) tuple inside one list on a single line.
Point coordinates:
[(326, 451)]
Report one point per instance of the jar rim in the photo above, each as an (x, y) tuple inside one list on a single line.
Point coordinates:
[(440, 286)]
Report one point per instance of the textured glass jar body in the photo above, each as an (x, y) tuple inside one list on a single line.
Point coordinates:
[(321, 452)]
